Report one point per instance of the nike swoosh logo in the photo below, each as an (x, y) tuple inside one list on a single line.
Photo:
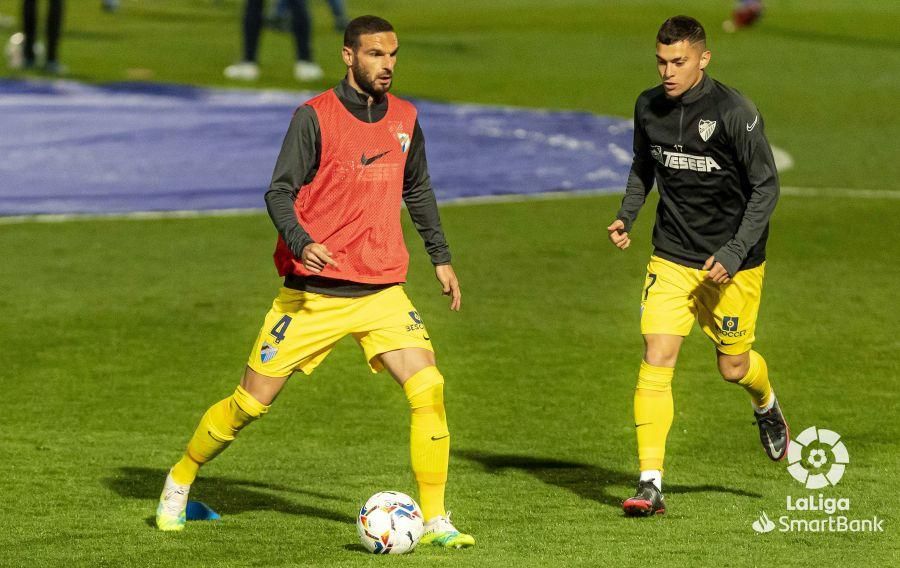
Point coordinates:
[(727, 344), (366, 161), (644, 424), (426, 338), (433, 439), (771, 445), (750, 127)]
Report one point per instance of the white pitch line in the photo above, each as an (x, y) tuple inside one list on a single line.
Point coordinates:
[(840, 192), (789, 191), (131, 215), (524, 197)]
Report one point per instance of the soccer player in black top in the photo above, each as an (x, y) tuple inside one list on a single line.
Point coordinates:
[(703, 143)]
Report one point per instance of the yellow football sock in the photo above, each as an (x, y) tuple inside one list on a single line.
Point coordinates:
[(217, 429), (756, 382), (429, 438), (653, 413), (185, 471)]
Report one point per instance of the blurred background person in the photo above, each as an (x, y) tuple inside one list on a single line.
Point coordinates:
[(305, 69), (279, 17), (109, 5), (340, 15), (745, 14), (53, 31)]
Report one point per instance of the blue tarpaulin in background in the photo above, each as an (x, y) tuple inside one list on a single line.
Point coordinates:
[(68, 148)]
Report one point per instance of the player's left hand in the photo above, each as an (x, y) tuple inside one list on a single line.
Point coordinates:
[(449, 284), (618, 235), (717, 272)]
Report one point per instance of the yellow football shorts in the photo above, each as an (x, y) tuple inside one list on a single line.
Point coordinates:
[(674, 296), (302, 327)]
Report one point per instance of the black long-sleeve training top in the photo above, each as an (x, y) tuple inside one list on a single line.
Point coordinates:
[(715, 173), (297, 165)]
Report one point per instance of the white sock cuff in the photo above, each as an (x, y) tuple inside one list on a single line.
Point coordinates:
[(767, 407), (653, 475)]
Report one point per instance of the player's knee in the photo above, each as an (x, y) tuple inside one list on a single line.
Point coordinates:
[(661, 355), (405, 363), (655, 378), (662, 350), (425, 390), (261, 388), (229, 416), (243, 408), (733, 368), (249, 404)]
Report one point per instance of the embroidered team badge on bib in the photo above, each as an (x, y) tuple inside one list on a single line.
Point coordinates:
[(403, 138)]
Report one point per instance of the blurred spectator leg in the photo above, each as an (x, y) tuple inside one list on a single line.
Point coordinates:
[(305, 69), (253, 17), (29, 24), (340, 15), (54, 31), (248, 70)]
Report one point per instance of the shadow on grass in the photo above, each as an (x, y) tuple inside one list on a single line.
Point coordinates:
[(587, 481), (226, 495), (357, 548)]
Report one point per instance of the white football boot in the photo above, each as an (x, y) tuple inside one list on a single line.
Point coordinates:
[(243, 71), (439, 531), (305, 71), (170, 513)]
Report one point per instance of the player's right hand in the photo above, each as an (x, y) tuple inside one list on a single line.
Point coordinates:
[(315, 256), (617, 234), (449, 285)]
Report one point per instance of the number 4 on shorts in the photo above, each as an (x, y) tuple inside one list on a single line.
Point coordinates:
[(280, 328)]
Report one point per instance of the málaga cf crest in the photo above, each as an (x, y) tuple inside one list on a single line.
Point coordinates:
[(403, 138), (707, 127)]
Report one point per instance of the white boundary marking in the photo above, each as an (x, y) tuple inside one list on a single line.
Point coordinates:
[(790, 191), (841, 192), (128, 216)]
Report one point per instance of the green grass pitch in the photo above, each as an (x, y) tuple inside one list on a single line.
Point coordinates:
[(117, 334)]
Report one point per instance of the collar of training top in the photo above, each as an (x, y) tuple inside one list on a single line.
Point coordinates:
[(697, 91), (354, 99)]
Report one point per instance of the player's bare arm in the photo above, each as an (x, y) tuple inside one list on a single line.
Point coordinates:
[(449, 284)]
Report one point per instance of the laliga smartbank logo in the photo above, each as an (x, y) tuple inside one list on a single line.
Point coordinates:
[(763, 524), (817, 458)]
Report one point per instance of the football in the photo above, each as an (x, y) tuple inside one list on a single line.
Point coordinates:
[(390, 523)]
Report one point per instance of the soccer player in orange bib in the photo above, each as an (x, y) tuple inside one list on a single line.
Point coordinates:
[(704, 145), (350, 157)]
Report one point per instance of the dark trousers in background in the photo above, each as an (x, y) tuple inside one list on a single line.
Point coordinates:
[(301, 28), (54, 27)]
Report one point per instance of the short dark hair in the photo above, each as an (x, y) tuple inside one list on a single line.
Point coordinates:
[(679, 28), (364, 25)]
